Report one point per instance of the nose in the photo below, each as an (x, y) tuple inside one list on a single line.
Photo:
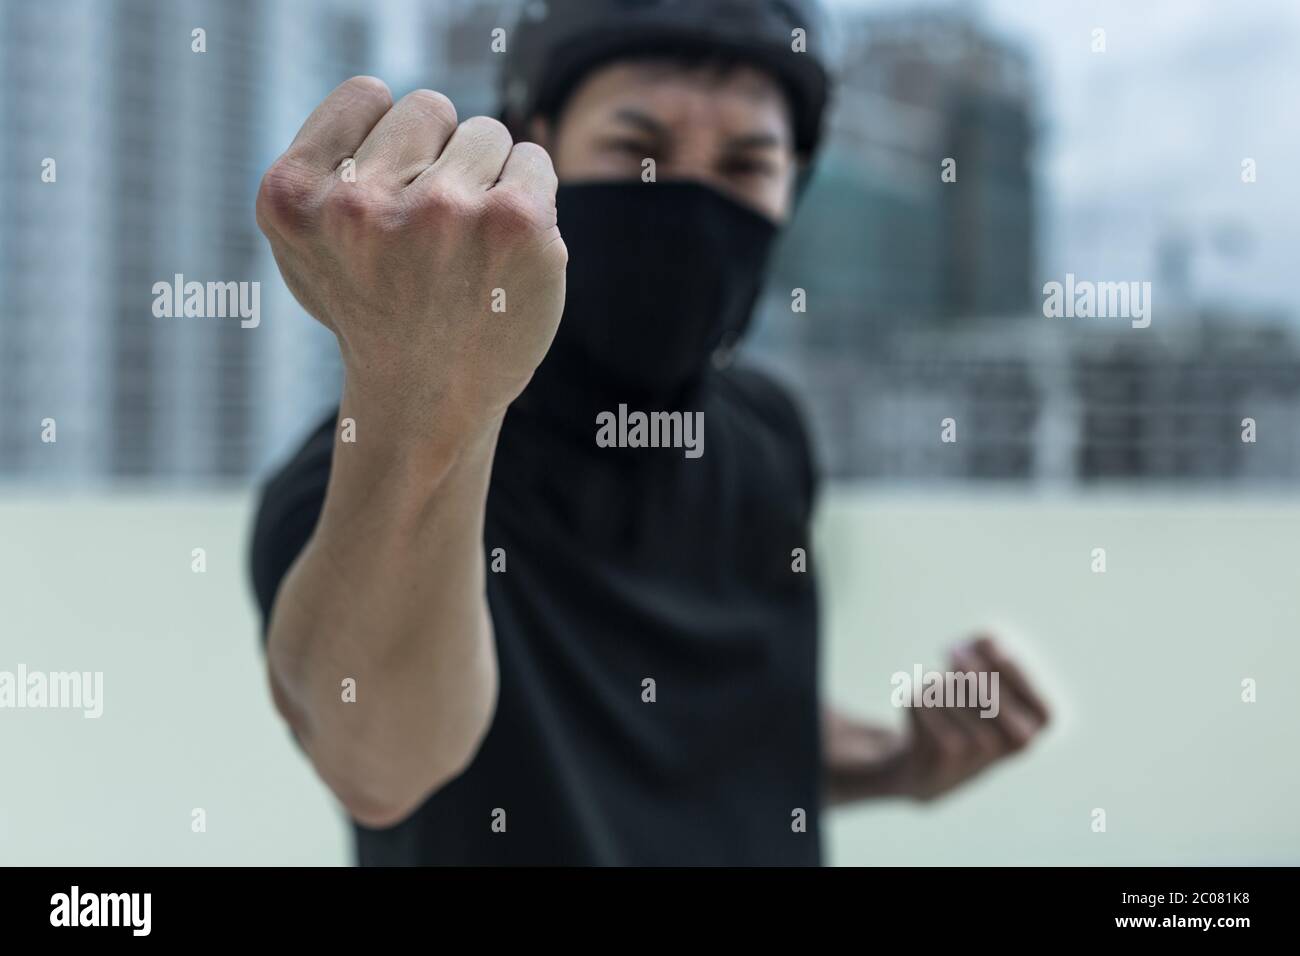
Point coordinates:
[(695, 162)]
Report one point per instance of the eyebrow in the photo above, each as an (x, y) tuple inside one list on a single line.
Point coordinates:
[(746, 141), (643, 120)]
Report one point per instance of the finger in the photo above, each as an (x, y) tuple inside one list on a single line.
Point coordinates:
[(475, 154), (529, 167), (340, 124), (409, 139), (982, 732), (936, 732), (1016, 725), (981, 690), (984, 741), (984, 737), (1012, 675)]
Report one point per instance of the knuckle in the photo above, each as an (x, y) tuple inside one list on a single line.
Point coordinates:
[(285, 195), (488, 127), (482, 134), (434, 105), (369, 89), (437, 210), (357, 206), (538, 159), (444, 205), (510, 212), (535, 153)]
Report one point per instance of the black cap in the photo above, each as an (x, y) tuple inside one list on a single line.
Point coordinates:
[(556, 42)]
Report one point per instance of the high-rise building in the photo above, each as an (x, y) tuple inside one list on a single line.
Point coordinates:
[(886, 238), (158, 137), (55, 238)]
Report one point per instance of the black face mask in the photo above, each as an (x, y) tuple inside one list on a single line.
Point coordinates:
[(660, 276)]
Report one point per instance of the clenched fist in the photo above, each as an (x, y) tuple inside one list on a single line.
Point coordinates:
[(430, 249)]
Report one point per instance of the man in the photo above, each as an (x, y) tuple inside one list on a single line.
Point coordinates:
[(499, 635)]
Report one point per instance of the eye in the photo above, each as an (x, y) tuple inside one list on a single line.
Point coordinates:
[(630, 147), (742, 166)]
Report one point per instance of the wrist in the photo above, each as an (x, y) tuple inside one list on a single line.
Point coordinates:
[(409, 417), (866, 762), (393, 458)]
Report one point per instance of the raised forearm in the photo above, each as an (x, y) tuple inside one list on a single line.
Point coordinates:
[(403, 262), (389, 592)]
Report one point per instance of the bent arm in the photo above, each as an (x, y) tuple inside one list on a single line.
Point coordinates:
[(389, 591)]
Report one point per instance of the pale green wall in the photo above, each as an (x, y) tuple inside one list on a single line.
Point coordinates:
[(1143, 662)]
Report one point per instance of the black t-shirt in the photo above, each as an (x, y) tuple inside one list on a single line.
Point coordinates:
[(622, 565)]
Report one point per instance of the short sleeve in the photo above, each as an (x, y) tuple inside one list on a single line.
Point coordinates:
[(781, 412)]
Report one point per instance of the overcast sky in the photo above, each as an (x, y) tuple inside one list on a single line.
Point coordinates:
[(1150, 135)]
